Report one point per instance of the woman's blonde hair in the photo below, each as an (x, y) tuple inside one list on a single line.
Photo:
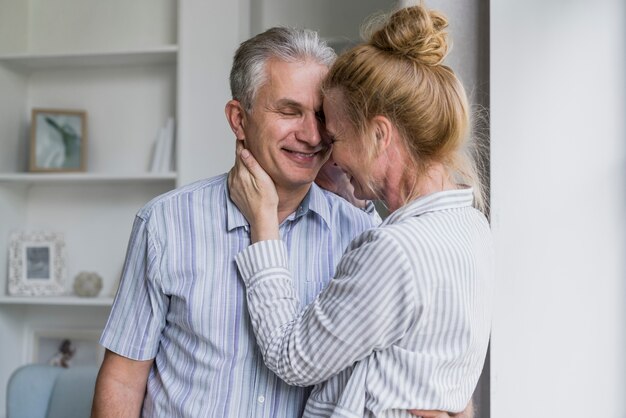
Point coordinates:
[(399, 73)]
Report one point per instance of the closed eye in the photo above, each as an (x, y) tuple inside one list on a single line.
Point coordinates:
[(289, 112)]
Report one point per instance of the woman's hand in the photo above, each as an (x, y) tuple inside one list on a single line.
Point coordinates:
[(467, 413), (431, 414), (254, 193)]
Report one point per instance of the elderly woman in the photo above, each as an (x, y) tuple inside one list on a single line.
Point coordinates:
[(405, 322)]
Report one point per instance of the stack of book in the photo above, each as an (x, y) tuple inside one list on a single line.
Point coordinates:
[(163, 149)]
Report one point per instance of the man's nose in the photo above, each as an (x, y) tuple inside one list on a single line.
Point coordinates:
[(310, 130)]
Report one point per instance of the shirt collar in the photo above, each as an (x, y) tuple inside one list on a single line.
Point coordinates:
[(449, 199), (314, 201)]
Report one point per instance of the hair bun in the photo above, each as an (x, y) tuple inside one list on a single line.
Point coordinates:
[(414, 32)]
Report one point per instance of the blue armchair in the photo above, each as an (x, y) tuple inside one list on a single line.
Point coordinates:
[(42, 391)]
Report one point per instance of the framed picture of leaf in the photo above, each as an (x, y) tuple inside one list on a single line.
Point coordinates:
[(58, 140)]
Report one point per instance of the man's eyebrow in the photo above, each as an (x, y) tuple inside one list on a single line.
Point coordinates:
[(288, 103)]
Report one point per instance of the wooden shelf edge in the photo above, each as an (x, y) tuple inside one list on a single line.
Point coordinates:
[(32, 60), (56, 300), (85, 177)]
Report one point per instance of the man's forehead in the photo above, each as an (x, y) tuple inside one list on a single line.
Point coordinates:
[(303, 74), (293, 92)]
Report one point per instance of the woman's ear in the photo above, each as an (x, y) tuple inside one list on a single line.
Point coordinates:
[(236, 116), (382, 129)]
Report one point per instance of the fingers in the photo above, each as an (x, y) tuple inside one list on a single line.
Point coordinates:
[(238, 163), (254, 168)]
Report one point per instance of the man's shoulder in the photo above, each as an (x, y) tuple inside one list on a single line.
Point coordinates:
[(184, 195)]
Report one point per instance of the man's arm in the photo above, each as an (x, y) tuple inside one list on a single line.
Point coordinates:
[(120, 387)]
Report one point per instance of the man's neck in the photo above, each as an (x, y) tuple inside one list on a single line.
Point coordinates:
[(289, 200)]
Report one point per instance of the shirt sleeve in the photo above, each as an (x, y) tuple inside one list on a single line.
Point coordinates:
[(137, 317), (368, 306)]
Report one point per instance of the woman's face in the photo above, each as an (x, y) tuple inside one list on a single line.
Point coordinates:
[(347, 148)]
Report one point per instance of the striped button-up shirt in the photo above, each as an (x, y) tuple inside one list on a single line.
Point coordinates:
[(404, 324), (182, 303)]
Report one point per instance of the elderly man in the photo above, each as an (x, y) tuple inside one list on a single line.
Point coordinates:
[(179, 340)]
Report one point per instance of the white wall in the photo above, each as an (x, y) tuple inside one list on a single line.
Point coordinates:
[(332, 19), (207, 42), (558, 184), (103, 25), (468, 29)]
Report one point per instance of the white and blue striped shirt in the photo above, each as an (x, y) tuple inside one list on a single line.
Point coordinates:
[(182, 302), (404, 324)]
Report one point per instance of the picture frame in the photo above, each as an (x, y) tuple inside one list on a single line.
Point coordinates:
[(58, 140), (36, 264)]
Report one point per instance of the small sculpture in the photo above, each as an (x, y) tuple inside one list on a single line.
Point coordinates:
[(87, 284), (64, 356)]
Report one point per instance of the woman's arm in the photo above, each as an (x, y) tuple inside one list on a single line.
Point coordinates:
[(368, 306)]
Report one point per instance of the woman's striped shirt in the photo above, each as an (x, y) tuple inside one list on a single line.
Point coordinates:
[(404, 323)]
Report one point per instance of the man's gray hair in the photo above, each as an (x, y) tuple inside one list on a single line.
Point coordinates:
[(285, 44)]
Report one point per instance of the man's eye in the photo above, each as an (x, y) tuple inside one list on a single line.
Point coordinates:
[(289, 112)]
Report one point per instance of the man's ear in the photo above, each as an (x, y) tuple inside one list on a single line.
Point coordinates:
[(382, 130), (236, 116)]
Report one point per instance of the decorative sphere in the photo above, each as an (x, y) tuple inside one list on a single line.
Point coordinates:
[(87, 284)]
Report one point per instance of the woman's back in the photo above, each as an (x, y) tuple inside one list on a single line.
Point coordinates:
[(442, 257)]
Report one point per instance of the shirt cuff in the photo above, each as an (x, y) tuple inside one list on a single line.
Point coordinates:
[(261, 256)]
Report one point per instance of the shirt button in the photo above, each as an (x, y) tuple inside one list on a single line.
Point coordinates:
[(261, 399)]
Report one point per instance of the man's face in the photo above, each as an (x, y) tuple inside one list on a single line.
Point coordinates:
[(282, 130)]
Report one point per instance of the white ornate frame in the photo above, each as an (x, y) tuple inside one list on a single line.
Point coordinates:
[(19, 283)]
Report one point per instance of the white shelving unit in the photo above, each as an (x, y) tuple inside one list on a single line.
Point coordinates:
[(130, 66), (134, 90), (119, 63)]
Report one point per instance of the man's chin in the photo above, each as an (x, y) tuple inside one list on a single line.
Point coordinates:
[(295, 183)]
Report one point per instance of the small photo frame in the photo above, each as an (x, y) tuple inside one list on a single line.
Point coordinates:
[(36, 264), (58, 140)]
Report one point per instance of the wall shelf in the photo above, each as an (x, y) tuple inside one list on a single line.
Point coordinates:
[(91, 178), (38, 61), (55, 300)]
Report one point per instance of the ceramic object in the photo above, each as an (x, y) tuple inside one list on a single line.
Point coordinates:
[(87, 284)]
